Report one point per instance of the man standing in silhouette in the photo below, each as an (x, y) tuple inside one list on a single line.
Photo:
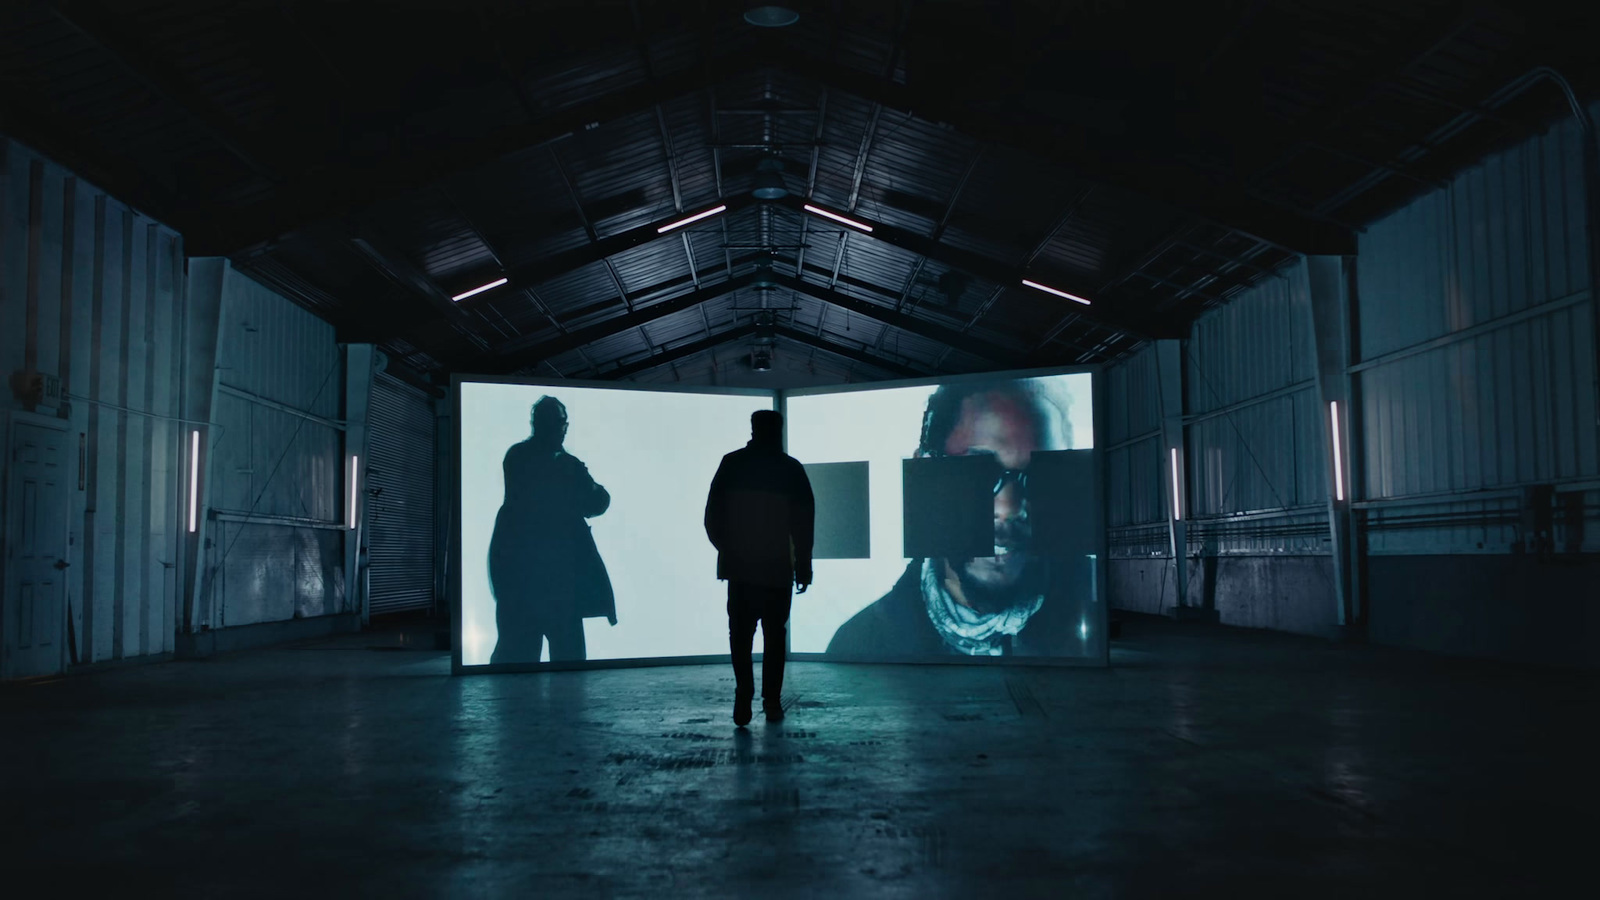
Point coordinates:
[(544, 568), (759, 516)]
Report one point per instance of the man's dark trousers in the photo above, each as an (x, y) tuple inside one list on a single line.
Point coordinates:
[(748, 604)]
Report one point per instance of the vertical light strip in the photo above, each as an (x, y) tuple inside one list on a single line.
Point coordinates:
[(1177, 511), (194, 482), (354, 474), (1338, 460)]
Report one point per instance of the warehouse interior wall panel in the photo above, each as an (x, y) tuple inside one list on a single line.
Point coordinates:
[(92, 294), (402, 533), (1476, 469), (276, 463)]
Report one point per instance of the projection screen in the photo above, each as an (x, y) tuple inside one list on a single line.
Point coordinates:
[(956, 520), (629, 491)]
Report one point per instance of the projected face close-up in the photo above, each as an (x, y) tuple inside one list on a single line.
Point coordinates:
[(982, 526), (1001, 426)]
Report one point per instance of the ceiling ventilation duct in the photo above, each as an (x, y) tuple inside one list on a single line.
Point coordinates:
[(769, 179), (771, 16), (764, 279)]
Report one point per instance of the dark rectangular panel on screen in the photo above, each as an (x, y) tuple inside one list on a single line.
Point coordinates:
[(1061, 507), (948, 506), (844, 518)]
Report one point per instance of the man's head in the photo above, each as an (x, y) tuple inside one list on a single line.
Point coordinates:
[(549, 420), (766, 427), (1007, 421)]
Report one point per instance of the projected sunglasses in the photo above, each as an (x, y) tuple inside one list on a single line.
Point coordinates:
[(1005, 476)]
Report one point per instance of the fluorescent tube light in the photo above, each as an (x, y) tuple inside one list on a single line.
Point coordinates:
[(194, 482), (819, 211), (1050, 290), (1177, 512), (355, 472), (478, 290), (1338, 461), (694, 218)]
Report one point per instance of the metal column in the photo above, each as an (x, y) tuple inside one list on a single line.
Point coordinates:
[(359, 362), (1327, 294), (1174, 465), (202, 314)]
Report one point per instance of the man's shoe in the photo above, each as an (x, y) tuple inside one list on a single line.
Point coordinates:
[(741, 710), (773, 709)]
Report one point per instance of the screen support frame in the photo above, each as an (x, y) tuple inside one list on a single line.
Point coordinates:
[(779, 399)]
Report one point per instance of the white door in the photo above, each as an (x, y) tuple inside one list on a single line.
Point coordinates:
[(36, 550)]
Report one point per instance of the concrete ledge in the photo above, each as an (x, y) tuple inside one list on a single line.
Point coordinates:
[(1194, 614), (245, 637), (103, 665)]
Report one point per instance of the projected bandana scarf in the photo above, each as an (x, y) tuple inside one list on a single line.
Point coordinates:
[(964, 629)]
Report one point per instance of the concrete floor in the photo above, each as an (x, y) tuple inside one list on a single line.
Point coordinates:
[(1206, 762)]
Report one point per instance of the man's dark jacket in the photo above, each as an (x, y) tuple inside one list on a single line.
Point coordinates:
[(543, 562), (759, 515)]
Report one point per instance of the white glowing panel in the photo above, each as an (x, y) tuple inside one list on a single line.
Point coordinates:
[(654, 454)]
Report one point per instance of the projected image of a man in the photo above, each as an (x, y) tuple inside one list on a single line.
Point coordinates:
[(544, 568), (979, 606)]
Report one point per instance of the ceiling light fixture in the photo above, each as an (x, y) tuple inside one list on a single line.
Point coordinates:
[(819, 211), (771, 16), (694, 218), (480, 289), (769, 179), (1059, 293)]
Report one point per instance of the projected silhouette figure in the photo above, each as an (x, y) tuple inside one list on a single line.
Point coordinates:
[(544, 568), (759, 516)]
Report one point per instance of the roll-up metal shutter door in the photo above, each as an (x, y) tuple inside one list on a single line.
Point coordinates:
[(400, 512)]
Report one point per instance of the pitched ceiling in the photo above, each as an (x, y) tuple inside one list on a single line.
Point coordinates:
[(373, 160)]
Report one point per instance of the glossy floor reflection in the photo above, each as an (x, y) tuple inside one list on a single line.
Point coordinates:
[(1207, 761)]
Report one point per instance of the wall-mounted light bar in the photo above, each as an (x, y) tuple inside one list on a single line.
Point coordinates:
[(480, 289), (194, 481), (819, 211), (355, 473), (1059, 293), (692, 219), (1177, 511), (1338, 461)]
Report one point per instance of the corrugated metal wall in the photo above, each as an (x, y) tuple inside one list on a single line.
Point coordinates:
[(92, 292), (1253, 436), (1133, 457), (276, 465), (400, 516), (1476, 345), (1473, 431)]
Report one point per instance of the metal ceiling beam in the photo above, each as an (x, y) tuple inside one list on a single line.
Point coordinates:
[(25, 116), (1126, 167), (904, 321), (343, 190), (983, 266), (682, 351), (600, 250), (346, 189), (513, 356), (783, 332), (852, 354), (146, 66), (394, 265), (557, 264)]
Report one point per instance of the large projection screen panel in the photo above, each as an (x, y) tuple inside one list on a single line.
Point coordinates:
[(654, 454), (1036, 591)]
